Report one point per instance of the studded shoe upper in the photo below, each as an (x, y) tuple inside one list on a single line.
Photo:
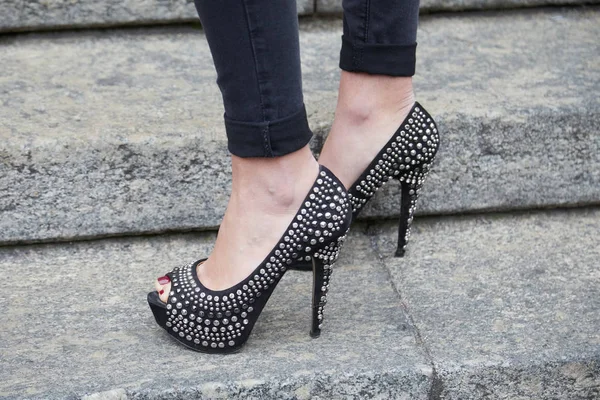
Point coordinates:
[(213, 321), (407, 156)]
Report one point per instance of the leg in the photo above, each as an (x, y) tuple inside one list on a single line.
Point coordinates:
[(254, 44), (376, 93), (255, 48), (379, 133)]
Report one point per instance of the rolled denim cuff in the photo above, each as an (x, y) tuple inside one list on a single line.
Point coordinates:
[(269, 138), (379, 59)]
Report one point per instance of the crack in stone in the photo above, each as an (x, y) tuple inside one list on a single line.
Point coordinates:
[(437, 385)]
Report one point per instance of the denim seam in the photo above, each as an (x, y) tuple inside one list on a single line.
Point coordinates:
[(365, 34), (367, 17), (266, 141)]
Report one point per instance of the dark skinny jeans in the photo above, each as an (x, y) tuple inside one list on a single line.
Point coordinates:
[(255, 48)]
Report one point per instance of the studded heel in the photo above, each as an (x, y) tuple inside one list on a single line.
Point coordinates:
[(407, 156), (221, 321)]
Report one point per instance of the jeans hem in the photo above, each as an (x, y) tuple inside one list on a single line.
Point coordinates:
[(269, 138), (378, 59)]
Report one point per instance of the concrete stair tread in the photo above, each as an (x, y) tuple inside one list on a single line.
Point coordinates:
[(120, 131), (505, 302), (490, 305), (100, 334)]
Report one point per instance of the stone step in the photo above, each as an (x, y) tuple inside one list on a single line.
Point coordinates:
[(120, 131), (428, 6), (486, 306), (33, 15)]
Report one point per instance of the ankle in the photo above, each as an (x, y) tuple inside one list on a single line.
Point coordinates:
[(273, 184), (364, 98)]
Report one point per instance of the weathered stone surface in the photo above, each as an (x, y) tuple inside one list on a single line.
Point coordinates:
[(31, 15), (490, 306), (117, 394), (335, 6), (119, 132), (507, 305), (75, 322)]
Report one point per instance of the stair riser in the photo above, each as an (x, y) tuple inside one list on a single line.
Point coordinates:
[(18, 15), (335, 6), (181, 183), (481, 167)]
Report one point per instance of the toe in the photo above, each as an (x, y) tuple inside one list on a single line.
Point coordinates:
[(163, 286)]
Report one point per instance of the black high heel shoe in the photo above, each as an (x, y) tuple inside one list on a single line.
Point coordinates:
[(220, 321), (407, 156)]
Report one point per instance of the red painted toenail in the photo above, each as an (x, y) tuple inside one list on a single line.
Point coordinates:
[(161, 292), (163, 280)]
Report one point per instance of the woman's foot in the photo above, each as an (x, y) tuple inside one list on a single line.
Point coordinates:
[(265, 196), (369, 111)]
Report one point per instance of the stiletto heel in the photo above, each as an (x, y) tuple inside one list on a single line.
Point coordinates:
[(408, 157), (221, 321), (408, 204), (322, 263)]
